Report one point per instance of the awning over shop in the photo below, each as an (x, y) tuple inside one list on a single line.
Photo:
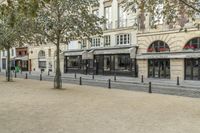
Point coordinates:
[(117, 50), (24, 58), (175, 55), (73, 53), (89, 54)]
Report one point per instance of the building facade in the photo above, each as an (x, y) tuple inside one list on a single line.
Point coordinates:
[(3, 58), (170, 54), (42, 58), (114, 52)]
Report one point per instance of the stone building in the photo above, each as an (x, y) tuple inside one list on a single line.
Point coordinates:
[(43, 57), (114, 52)]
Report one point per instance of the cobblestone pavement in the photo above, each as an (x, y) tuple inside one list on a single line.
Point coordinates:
[(161, 87), (31, 106)]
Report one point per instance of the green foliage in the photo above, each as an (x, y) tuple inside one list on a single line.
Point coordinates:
[(171, 10)]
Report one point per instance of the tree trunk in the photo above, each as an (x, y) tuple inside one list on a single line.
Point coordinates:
[(8, 65), (58, 72)]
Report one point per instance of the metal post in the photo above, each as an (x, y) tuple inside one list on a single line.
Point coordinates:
[(15, 75), (109, 84), (150, 90), (40, 77), (142, 79), (178, 82), (80, 81), (75, 75), (26, 76), (48, 72)]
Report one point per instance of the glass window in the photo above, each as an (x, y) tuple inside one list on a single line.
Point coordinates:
[(123, 39), (122, 16), (108, 16), (83, 43), (106, 41), (192, 69), (73, 61), (96, 42), (159, 68), (193, 44), (158, 46)]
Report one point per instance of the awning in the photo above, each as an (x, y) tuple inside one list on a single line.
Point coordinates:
[(177, 55), (24, 58), (88, 55), (122, 50), (73, 53)]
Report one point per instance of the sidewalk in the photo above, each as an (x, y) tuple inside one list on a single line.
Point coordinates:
[(160, 82)]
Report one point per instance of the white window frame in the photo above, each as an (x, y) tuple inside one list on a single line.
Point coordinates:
[(123, 39), (96, 42), (107, 40)]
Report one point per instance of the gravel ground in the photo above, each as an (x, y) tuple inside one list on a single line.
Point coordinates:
[(30, 106)]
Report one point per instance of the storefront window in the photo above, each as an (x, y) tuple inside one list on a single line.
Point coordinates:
[(73, 62), (158, 46), (192, 69), (159, 68), (122, 62), (193, 44)]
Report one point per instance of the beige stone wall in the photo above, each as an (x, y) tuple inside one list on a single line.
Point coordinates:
[(142, 68), (175, 39), (33, 55), (177, 69)]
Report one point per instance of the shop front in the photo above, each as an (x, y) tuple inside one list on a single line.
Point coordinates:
[(119, 61), (22, 63), (192, 63), (102, 61)]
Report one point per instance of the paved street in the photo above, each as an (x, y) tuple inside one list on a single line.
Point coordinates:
[(31, 106), (186, 88)]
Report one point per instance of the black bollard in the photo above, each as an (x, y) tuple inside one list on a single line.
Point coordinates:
[(15, 75), (48, 73), (178, 82), (40, 77), (142, 79), (26, 77), (109, 84), (150, 90), (80, 81), (75, 75)]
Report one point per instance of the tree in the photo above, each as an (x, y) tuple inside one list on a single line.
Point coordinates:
[(170, 10), (60, 21), (14, 29)]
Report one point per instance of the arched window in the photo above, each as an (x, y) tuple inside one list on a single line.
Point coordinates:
[(158, 46), (41, 54), (193, 44)]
